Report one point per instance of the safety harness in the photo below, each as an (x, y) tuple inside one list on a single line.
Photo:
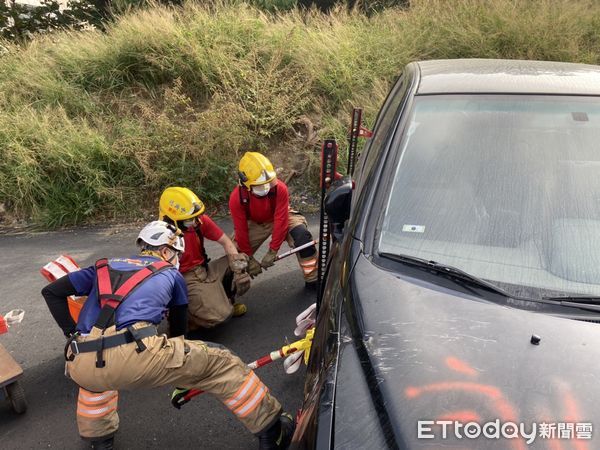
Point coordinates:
[(124, 283), (201, 239), (245, 199)]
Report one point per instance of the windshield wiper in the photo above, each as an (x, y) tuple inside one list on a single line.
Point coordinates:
[(584, 299), (444, 269), (587, 303), (572, 303)]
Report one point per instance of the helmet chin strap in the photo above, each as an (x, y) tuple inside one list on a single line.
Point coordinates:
[(170, 260)]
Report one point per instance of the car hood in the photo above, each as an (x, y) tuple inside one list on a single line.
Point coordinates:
[(411, 351)]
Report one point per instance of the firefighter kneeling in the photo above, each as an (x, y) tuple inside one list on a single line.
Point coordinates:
[(212, 286), (115, 344), (260, 208)]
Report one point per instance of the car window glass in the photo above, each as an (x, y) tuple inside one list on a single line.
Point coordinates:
[(380, 133), (503, 187)]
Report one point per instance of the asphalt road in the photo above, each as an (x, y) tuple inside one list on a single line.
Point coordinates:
[(147, 418)]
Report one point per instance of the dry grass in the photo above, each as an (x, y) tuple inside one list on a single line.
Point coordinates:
[(94, 125)]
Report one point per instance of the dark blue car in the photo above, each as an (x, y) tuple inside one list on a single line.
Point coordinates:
[(462, 298)]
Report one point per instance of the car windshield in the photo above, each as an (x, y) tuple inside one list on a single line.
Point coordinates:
[(504, 187)]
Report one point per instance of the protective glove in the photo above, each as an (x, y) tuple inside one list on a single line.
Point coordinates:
[(241, 281), (179, 397), (238, 262), (253, 267), (269, 259)]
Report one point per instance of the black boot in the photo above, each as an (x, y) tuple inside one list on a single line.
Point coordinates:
[(279, 435), (104, 444)]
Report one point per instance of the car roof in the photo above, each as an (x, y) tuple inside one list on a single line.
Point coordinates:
[(451, 76)]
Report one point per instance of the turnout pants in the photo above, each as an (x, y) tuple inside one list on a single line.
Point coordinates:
[(209, 304), (176, 361), (298, 234)]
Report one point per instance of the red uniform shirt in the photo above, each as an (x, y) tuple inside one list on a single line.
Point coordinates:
[(194, 252), (262, 210)]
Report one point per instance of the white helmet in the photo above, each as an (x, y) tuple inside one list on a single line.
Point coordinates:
[(160, 233)]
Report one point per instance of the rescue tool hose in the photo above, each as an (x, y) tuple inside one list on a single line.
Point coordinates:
[(180, 397)]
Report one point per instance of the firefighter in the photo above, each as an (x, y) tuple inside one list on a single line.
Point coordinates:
[(210, 293), (260, 208), (115, 344)]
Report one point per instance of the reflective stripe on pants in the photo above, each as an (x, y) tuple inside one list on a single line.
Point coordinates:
[(309, 268), (97, 415), (248, 396)]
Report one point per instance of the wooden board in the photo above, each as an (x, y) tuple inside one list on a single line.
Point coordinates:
[(9, 369)]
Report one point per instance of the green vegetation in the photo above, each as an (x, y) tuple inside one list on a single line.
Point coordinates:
[(94, 125), (19, 21)]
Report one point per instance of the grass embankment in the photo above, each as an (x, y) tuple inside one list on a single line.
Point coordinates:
[(94, 125)]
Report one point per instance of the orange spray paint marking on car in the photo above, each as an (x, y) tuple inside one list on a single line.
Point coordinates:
[(572, 415), (477, 388), (503, 408), (460, 366)]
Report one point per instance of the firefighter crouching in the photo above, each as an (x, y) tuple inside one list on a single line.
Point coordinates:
[(260, 208), (212, 286), (115, 344)]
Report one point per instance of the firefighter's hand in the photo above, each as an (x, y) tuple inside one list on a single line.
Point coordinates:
[(238, 262), (253, 267), (269, 259), (178, 397)]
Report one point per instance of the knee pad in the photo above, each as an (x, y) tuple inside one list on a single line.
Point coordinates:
[(301, 236)]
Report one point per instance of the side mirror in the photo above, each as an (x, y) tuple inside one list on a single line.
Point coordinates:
[(337, 205)]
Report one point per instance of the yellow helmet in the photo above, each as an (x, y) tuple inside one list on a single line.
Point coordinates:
[(179, 203), (255, 170)]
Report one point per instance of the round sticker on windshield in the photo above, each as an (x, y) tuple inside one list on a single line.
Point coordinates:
[(413, 228)]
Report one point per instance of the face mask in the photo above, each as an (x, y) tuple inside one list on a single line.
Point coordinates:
[(189, 223), (262, 190)]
